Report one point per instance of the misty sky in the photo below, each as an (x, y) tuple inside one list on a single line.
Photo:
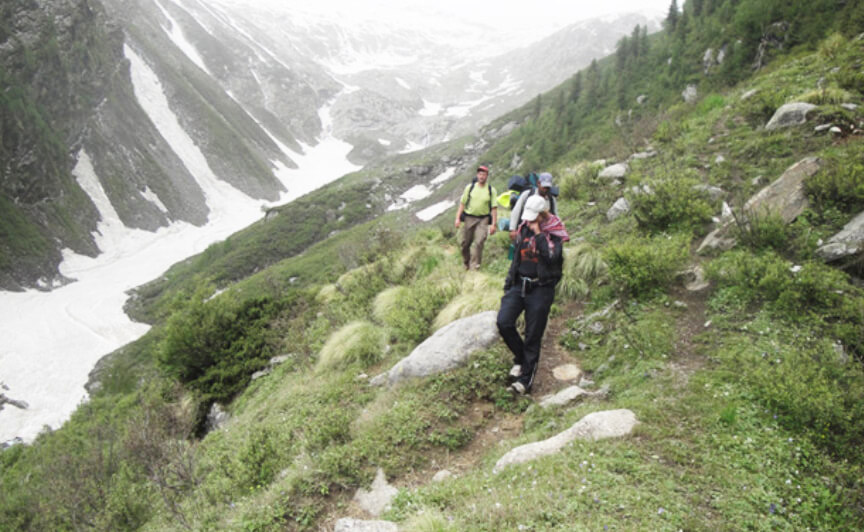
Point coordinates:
[(543, 16)]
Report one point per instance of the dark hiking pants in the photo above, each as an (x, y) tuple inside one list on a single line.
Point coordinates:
[(536, 304)]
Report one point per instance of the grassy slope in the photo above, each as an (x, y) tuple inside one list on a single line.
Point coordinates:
[(750, 422)]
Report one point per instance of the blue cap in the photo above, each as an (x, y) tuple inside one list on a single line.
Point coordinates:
[(544, 179)]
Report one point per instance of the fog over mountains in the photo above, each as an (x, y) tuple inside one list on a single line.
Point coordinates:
[(254, 89)]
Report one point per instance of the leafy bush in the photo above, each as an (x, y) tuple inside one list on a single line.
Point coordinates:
[(761, 231), (827, 95), (575, 182), (214, 346), (409, 311), (359, 342), (840, 184), (671, 204), (639, 267)]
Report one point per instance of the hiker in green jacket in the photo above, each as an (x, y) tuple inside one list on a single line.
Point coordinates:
[(477, 216)]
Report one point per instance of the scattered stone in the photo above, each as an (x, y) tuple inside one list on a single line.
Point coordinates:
[(23, 405), (615, 171), (582, 346), (586, 383), (618, 209), (726, 211), (790, 114), (563, 397), (217, 417), (361, 377), (694, 279), (841, 352), (448, 348), (679, 304), (596, 327), (262, 373), (641, 99), (567, 372), (849, 106), (715, 193), (849, 241), (595, 426), (690, 94), (757, 181), (442, 475), (377, 498), (749, 94), (599, 162), (836, 130), (719, 159), (378, 380), (795, 268), (347, 524), (822, 127), (707, 324), (643, 155)]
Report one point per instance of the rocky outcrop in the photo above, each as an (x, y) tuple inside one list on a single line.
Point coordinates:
[(377, 498), (849, 241), (448, 348), (784, 197), (690, 94), (615, 171), (790, 114), (596, 426), (347, 524)]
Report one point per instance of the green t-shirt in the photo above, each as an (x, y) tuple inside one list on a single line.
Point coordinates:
[(479, 204)]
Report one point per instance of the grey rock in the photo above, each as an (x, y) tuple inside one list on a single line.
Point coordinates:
[(849, 106), (849, 241), (595, 426), (564, 397), (17, 403), (615, 171), (442, 475), (448, 348), (836, 130), (262, 373), (378, 380), (715, 193), (726, 211), (643, 155), (790, 114), (822, 127), (378, 497), (749, 94), (784, 197), (719, 159), (641, 99), (596, 327), (217, 417), (619, 208), (347, 524), (690, 94), (567, 372)]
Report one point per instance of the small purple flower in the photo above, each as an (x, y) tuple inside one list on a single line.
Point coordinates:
[(772, 508), (660, 510)]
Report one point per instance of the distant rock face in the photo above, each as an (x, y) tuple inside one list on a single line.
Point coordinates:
[(596, 426), (790, 114), (448, 348), (346, 524), (216, 418), (849, 241), (615, 171)]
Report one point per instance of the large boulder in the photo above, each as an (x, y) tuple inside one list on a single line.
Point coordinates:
[(784, 197), (448, 348), (595, 426), (849, 241), (690, 94), (791, 114)]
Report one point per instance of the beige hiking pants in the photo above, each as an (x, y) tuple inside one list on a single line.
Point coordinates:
[(474, 233)]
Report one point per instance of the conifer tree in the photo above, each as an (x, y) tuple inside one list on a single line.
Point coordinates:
[(672, 16)]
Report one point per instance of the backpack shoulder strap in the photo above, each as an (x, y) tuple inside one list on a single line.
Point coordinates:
[(470, 190)]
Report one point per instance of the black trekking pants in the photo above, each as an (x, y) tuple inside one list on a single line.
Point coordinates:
[(536, 304)]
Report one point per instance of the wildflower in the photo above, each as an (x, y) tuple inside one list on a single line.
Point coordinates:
[(660, 510), (772, 508)]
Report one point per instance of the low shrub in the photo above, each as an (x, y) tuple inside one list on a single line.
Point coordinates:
[(409, 311), (671, 204), (476, 293), (761, 231), (583, 267), (639, 267), (358, 342), (838, 185)]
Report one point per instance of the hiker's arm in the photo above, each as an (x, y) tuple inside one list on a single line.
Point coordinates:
[(515, 214), (494, 226), (459, 215), (549, 247)]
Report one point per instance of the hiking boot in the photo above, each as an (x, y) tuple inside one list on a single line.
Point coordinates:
[(517, 388), (515, 372)]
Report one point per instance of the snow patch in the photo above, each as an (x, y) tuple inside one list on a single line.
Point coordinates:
[(430, 109), (434, 210), (385, 142), (403, 84), (416, 193), (179, 39), (151, 196), (444, 176)]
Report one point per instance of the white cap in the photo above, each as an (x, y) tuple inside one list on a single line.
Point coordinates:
[(533, 206)]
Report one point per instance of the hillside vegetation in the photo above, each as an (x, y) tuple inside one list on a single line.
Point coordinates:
[(749, 392)]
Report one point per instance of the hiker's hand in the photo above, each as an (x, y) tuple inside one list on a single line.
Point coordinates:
[(492, 229), (513, 236), (458, 223)]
